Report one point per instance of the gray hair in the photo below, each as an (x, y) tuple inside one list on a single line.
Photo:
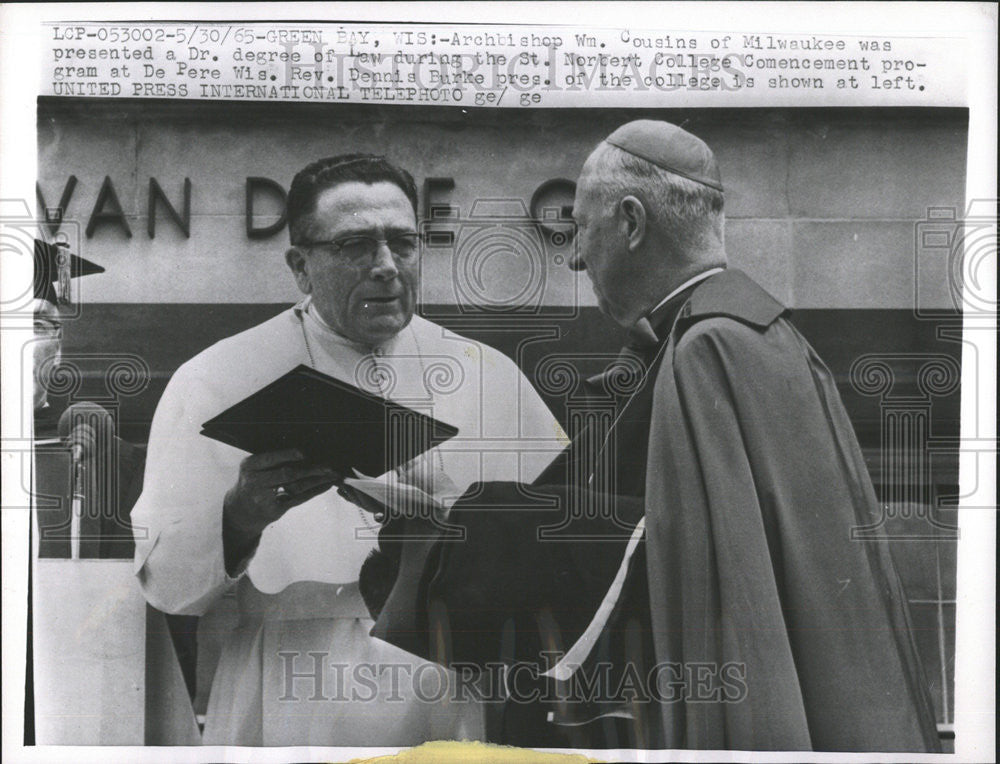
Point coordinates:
[(685, 209)]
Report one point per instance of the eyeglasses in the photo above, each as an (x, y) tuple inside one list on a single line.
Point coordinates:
[(359, 249)]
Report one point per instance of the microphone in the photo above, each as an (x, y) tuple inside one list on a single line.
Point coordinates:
[(82, 426)]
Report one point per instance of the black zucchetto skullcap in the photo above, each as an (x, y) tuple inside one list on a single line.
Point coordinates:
[(54, 266), (670, 148)]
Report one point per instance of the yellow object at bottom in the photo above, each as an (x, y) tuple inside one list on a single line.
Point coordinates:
[(454, 751)]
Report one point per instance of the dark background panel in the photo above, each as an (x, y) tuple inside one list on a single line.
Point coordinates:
[(166, 335)]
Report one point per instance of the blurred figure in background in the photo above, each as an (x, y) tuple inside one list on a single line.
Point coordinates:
[(103, 473)]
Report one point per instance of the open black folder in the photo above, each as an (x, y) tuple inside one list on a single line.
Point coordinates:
[(332, 422)]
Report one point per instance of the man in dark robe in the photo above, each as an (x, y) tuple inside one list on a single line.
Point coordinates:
[(739, 613)]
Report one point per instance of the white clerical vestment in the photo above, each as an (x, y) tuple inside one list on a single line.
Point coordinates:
[(300, 667)]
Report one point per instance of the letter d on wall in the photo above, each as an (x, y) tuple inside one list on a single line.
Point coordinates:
[(275, 189)]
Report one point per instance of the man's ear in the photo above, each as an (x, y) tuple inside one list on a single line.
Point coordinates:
[(634, 216), (296, 260)]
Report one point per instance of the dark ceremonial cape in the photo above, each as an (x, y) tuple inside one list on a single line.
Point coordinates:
[(601, 474), (779, 632), (755, 481)]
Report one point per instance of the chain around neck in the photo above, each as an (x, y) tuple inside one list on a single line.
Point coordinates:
[(423, 376)]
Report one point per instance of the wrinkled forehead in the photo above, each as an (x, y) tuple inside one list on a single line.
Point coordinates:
[(360, 206)]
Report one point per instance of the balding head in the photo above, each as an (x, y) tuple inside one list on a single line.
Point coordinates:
[(653, 191), (675, 176), (670, 148)]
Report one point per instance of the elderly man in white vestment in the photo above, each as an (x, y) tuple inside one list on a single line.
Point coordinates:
[(300, 667)]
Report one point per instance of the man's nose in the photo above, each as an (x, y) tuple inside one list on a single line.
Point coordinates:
[(384, 268), (576, 263)]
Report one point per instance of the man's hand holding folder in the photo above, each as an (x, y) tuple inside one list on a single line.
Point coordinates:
[(269, 484), (305, 431)]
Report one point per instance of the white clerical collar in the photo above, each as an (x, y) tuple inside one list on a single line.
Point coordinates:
[(690, 282)]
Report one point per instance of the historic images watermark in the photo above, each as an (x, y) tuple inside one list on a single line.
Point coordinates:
[(952, 246), (503, 260), (958, 245), (318, 676)]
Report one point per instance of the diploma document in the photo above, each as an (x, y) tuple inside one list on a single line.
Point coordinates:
[(330, 421)]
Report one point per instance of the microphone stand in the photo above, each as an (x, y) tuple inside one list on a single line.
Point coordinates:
[(76, 505)]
